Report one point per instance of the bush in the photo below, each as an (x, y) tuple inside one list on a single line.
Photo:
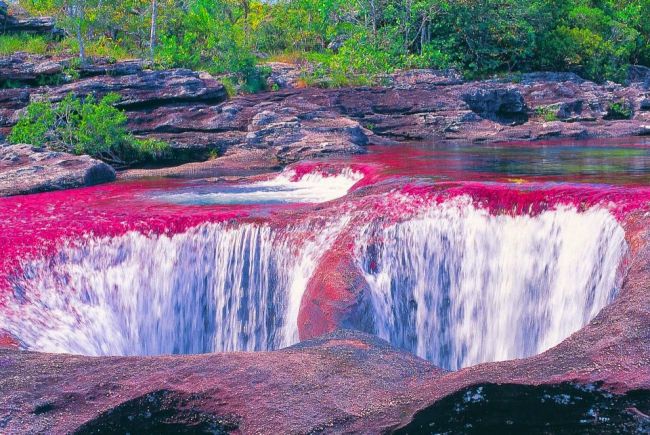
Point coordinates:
[(84, 126), (619, 110), (548, 114)]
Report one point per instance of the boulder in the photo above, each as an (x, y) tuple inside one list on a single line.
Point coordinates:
[(35, 25), (11, 101), (284, 75), (102, 67), (25, 169), (427, 77)]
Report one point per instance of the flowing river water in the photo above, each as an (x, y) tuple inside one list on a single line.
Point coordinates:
[(468, 253)]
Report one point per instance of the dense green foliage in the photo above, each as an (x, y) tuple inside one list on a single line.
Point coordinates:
[(355, 40), (84, 126)]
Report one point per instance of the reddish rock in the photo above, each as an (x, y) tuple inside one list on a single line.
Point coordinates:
[(285, 75), (8, 341), (337, 295)]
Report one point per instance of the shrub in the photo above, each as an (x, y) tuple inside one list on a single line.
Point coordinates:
[(548, 114), (619, 110), (84, 126)]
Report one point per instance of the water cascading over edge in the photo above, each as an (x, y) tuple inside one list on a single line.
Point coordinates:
[(459, 286), (212, 288)]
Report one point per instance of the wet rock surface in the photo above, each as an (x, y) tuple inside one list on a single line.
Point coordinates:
[(24, 169)]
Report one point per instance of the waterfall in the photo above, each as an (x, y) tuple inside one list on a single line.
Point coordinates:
[(459, 286), (212, 288)]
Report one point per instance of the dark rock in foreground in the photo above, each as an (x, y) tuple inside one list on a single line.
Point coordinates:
[(24, 169)]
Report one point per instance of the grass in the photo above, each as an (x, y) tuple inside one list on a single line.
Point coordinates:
[(34, 44), (292, 57), (103, 47)]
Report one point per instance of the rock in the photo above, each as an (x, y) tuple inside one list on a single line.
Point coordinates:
[(548, 76), (28, 68), (8, 341), (501, 105), (298, 135), (11, 101), (428, 77), (191, 112), (337, 43), (24, 169), (638, 74), (644, 105), (570, 109), (285, 75), (100, 67), (337, 295), (147, 88), (35, 25), (311, 387)]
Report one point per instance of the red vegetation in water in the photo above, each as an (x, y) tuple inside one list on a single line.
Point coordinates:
[(397, 182)]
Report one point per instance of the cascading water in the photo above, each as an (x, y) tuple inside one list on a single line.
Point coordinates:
[(459, 286), (212, 288)]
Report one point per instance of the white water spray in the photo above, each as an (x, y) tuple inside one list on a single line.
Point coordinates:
[(212, 288), (459, 286)]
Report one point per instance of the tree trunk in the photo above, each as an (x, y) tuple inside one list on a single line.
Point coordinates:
[(154, 19), (78, 12)]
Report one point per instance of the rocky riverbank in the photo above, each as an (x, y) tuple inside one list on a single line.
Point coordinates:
[(193, 113)]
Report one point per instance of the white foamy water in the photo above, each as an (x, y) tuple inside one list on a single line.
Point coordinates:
[(310, 188), (212, 288), (459, 286)]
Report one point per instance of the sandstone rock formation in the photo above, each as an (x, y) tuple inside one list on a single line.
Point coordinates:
[(192, 112), (24, 169)]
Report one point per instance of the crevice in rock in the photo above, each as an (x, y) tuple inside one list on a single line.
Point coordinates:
[(509, 408), (160, 412)]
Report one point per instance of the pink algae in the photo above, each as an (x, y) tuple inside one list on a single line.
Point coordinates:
[(397, 182)]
